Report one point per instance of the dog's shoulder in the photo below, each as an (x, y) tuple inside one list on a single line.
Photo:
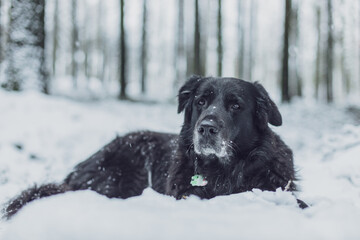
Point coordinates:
[(270, 165)]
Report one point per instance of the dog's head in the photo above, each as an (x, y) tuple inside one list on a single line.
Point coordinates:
[(225, 116)]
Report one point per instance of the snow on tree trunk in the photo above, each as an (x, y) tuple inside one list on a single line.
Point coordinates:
[(26, 47)]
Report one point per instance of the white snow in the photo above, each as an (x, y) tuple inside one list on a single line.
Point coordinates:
[(54, 134)]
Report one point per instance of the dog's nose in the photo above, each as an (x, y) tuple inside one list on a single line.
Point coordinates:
[(208, 128)]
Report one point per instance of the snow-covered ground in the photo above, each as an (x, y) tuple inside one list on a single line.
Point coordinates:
[(42, 138)]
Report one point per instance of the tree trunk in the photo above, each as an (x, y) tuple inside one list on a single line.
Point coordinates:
[(26, 52), (100, 45), (345, 75), (241, 40), (143, 60), (219, 38), (123, 82), (252, 36), (329, 55), (87, 43), (295, 74), (55, 37), (180, 56), (318, 53), (44, 75), (74, 43), (1, 33), (285, 93), (197, 42)]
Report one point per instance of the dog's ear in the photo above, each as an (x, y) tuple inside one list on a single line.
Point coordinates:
[(266, 109), (187, 90)]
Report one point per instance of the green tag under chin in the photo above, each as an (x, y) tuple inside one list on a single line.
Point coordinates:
[(198, 181)]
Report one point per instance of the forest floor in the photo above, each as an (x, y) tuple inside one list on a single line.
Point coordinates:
[(42, 138)]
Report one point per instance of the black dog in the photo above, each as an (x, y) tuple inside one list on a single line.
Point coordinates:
[(225, 146)]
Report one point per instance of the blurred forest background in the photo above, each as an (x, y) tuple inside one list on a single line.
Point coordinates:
[(145, 49)]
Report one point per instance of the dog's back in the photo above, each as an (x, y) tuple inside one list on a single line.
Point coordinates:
[(127, 165), (121, 169)]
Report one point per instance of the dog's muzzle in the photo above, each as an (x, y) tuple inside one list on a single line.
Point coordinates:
[(209, 139)]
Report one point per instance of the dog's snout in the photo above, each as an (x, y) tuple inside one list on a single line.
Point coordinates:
[(208, 128)]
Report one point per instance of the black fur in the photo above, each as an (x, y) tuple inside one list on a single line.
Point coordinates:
[(225, 138), (32, 194)]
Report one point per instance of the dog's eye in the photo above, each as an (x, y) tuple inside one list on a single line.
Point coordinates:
[(235, 106), (201, 102)]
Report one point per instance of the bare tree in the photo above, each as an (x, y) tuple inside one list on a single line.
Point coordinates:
[(55, 36), (197, 42), (26, 46), (241, 41), (123, 82), (294, 73), (143, 57), (194, 50), (345, 75), (318, 74), (101, 46), (252, 36), (329, 54), (74, 43), (180, 56), (285, 91), (219, 38), (44, 75), (87, 43), (1, 33)]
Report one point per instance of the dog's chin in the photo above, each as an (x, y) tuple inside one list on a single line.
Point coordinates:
[(207, 151), (212, 153)]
